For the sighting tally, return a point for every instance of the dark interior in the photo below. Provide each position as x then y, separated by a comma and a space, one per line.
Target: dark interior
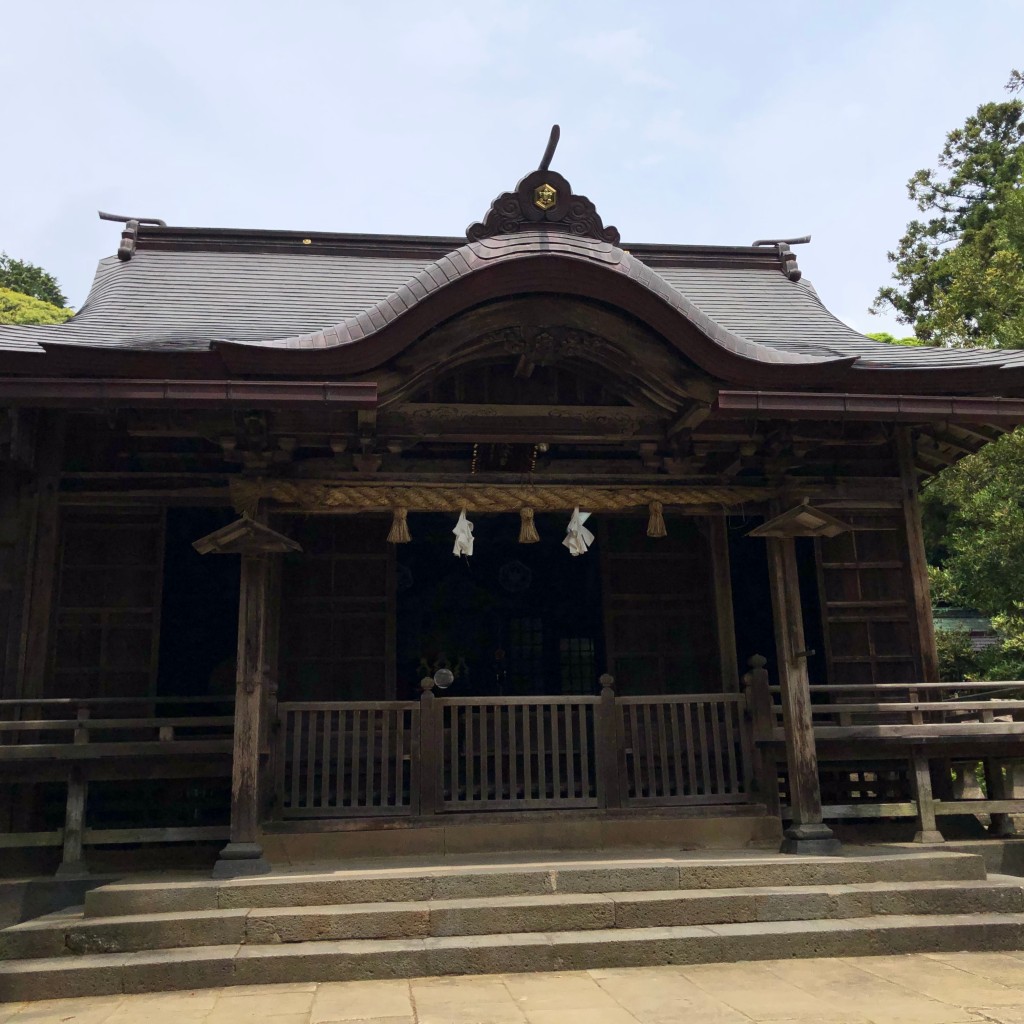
514, 619
199, 619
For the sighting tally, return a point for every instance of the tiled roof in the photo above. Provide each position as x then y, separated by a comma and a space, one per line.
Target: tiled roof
189, 296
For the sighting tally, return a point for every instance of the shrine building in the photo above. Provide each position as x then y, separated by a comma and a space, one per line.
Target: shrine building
240, 487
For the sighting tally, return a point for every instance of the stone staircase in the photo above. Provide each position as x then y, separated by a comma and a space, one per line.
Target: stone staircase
541, 915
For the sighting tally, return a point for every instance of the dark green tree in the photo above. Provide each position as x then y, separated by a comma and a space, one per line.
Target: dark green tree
29, 279
959, 271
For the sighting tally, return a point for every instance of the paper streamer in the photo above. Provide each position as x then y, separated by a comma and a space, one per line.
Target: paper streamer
577, 537
463, 536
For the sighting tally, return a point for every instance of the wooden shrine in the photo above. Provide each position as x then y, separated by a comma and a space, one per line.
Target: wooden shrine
748, 631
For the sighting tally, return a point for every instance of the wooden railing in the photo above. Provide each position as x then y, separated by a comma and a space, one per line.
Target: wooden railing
934, 729
445, 754
685, 749
517, 752
348, 759
81, 740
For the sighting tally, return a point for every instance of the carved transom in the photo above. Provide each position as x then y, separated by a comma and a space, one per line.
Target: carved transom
543, 346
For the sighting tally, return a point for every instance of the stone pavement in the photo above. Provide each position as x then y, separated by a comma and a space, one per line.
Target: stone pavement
930, 988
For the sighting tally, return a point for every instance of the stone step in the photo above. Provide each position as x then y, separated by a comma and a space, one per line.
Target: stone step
242, 964
442, 882
68, 934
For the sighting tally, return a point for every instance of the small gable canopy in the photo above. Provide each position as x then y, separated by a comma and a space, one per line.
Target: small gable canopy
245, 537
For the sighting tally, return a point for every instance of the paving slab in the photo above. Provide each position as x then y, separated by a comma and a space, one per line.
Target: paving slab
941, 988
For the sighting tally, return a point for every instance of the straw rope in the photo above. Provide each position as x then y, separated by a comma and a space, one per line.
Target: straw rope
364, 497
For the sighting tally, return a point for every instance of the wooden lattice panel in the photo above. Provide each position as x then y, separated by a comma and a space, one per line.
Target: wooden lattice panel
866, 601
107, 607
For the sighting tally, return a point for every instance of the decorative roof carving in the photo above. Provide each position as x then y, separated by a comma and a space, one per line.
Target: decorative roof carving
543, 199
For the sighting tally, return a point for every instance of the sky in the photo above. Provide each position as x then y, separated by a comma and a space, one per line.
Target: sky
684, 122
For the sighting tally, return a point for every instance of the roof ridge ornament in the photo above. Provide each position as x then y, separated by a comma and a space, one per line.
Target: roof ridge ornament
786, 255
130, 235
543, 199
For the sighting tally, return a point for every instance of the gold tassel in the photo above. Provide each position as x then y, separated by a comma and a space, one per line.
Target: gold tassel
400, 527
527, 531
656, 524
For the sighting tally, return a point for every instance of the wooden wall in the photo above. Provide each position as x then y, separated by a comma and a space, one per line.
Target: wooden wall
106, 618
660, 629
868, 613
338, 610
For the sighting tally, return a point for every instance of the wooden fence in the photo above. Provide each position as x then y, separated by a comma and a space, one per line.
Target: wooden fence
929, 734
79, 741
445, 754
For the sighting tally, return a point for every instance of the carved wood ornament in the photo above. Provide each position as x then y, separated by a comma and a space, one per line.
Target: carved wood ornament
543, 199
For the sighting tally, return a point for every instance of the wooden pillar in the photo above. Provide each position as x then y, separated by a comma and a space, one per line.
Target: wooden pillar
255, 676
244, 855
718, 537
921, 774
72, 864
427, 787
41, 577
610, 753
920, 594
761, 712
808, 833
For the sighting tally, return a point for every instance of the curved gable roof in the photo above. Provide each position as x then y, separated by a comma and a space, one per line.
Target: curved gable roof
349, 307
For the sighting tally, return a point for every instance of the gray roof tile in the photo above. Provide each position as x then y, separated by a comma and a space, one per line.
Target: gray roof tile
185, 300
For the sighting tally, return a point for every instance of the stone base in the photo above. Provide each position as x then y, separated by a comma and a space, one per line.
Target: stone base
495, 833
817, 839
1003, 826
238, 860
72, 869
928, 836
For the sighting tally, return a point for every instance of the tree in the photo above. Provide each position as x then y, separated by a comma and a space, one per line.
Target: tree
19, 308
959, 273
973, 517
890, 339
30, 280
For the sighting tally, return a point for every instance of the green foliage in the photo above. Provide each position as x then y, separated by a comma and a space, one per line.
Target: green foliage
890, 339
30, 280
957, 661
974, 529
18, 308
959, 271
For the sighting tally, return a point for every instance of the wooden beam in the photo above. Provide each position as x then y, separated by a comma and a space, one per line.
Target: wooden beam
920, 593
808, 833
718, 536
41, 579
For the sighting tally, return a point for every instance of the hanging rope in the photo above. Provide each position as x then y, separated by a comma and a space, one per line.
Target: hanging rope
400, 527
656, 524
527, 531
363, 497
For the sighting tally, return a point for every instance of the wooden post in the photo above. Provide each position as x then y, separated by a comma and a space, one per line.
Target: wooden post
921, 774
609, 748
244, 855
998, 786
72, 865
920, 594
255, 675
430, 760
719, 540
41, 577
761, 710
270, 747
808, 833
